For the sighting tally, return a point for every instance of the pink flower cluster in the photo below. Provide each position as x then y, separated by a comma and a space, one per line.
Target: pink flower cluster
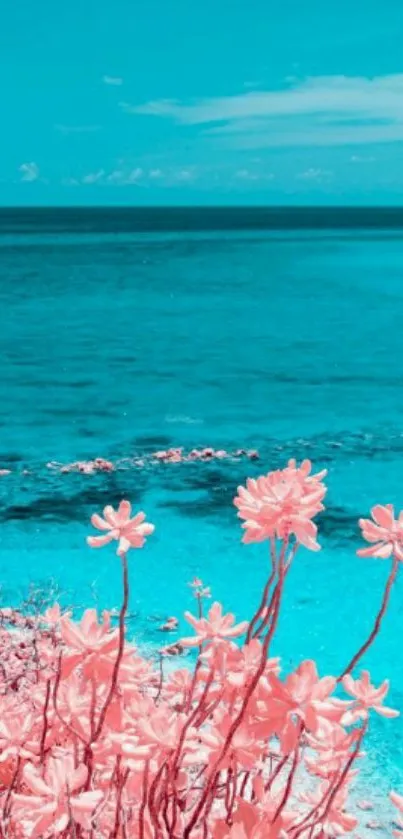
95, 743
281, 504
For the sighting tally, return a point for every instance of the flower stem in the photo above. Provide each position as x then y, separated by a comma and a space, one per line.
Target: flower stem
115, 672
377, 624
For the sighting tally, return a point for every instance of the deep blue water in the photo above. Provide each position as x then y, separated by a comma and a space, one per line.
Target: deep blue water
126, 331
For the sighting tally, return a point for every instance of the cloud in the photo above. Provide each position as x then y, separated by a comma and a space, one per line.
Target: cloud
115, 177
185, 175
94, 177
247, 175
315, 175
171, 177
135, 175
119, 177
116, 81
359, 158
125, 177
29, 172
323, 110
77, 129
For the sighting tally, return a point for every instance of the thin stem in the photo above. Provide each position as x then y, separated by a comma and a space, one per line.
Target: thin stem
7, 803
143, 801
377, 624
304, 825
269, 610
290, 778
57, 712
161, 678
276, 772
45, 721
238, 719
263, 602
115, 672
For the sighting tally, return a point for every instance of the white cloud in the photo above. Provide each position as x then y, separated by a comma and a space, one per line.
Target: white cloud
77, 129
29, 172
116, 81
135, 175
155, 173
115, 176
359, 158
247, 175
70, 182
125, 177
325, 110
380, 97
94, 177
185, 175
315, 175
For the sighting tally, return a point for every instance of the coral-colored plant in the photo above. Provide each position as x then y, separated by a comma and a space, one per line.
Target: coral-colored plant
95, 742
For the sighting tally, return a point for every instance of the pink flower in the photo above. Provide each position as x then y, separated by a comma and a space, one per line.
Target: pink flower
333, 747
397, 800
304, 697
367, 696
17, 734
384, 532
282, 503
91, 644
161, 732
244, 750
53, 615
251, 822
178, 687
244, 663
130, 533
337, 821
196, 583
310, 697
52, 804
217, 627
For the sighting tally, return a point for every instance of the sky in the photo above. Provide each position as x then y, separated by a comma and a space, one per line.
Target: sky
219, 102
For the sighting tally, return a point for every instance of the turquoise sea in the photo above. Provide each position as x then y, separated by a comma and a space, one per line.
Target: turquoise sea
126, 331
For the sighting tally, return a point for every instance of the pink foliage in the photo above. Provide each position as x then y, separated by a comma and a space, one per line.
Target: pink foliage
97, 743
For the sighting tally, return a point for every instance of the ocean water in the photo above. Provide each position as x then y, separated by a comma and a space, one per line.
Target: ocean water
126, 331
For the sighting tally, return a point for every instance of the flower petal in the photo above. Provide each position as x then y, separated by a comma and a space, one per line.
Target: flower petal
99, 523
383, 515
124, 511
100, 541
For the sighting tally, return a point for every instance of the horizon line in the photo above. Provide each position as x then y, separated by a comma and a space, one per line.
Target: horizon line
235, 207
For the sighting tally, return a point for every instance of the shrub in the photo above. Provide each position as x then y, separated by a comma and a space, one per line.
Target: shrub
94, 742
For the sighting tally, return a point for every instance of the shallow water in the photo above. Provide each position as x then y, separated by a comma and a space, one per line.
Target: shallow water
117, 340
